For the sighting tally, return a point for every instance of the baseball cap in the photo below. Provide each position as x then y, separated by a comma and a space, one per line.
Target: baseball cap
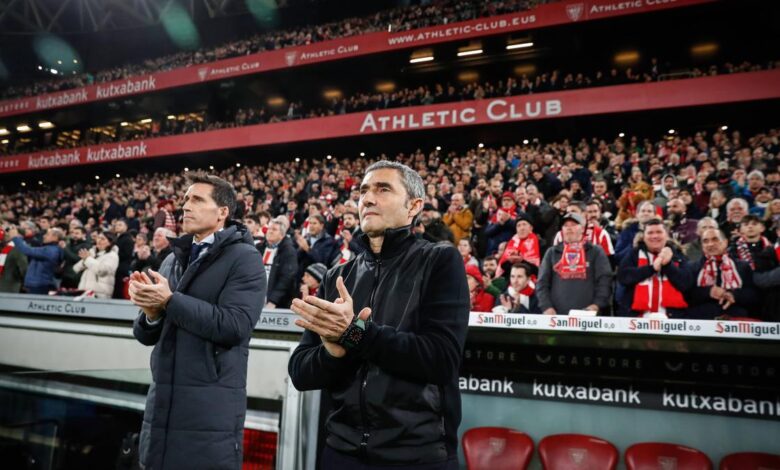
573, 217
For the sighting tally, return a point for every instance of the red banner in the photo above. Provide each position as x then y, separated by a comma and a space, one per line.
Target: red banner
616, 99
543, 16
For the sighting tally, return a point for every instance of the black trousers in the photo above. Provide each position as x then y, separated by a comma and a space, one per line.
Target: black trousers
334, 460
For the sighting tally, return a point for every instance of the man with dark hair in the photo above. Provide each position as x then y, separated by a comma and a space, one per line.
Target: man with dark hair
124, 243
199, 312
655, 275
318, 246
76, 242
520, 296
385, 335
13, 265
751, 241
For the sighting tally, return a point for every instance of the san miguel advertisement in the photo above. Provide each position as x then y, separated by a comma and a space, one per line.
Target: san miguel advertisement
624, 98
543, 16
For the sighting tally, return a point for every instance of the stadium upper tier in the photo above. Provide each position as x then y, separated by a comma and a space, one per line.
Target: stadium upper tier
302, 48
741, 87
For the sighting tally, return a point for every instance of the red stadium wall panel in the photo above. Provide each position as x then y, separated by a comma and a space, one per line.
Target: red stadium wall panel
616, 99
545, 15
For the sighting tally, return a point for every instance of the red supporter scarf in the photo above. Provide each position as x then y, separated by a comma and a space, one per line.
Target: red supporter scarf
573, 264
527, 247
524, 296
656, 291
729, 277
4, 254
777, 251
594, 235
743, 250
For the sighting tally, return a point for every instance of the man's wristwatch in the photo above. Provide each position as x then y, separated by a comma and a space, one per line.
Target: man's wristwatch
353, 335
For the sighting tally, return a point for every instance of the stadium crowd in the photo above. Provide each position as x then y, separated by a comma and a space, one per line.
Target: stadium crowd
687, 227
556, 80
431, 13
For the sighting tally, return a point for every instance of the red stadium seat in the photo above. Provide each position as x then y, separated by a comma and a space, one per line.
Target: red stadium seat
661, 456
750, 461
577, 452
492, 448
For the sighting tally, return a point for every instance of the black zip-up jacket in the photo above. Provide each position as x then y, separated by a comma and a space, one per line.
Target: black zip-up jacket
396, 397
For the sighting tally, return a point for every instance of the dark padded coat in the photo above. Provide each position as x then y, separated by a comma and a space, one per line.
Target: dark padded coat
196, 404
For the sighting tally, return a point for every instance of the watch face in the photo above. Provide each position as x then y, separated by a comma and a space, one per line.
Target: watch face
354, 335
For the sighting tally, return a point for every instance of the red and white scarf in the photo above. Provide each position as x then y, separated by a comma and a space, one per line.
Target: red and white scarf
656, 291
4, 254
528, 247
594, 235
743, 250
346, 253
573, 263
729, 277
170, 221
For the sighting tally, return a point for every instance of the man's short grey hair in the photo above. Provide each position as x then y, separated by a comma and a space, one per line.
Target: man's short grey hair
165, 231
737, 200
413, 183
705, 220
282, 222
757, 173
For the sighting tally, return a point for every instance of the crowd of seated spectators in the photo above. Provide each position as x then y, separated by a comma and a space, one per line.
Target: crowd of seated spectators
399, 19
679, 226
555, 80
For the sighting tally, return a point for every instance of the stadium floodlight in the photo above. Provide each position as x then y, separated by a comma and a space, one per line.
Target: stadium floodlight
75, 61
329, 157
40, 67
671, 131
123, 124
146, 121
417, 60
171, 116
23, 128
469, 52
4, 141
117, 175
525, 141
724, 128
59, 62
519, 45
186, 169
211, 167
238, 165
481, 145
362, 154
4, 131
24, 184
621, 134
53, 71
297, 159
40, 183
438, 147
97, 177
45, 125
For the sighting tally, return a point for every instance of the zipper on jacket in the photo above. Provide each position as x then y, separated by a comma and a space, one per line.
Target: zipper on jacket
364, 371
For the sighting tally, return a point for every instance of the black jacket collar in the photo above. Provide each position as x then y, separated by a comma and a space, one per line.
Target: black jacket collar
396, 241
234, 232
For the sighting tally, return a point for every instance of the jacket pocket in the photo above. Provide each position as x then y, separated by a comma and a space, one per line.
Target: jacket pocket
211, 361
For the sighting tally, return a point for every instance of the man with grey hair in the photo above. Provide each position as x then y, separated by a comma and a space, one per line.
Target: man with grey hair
44, 260
736, 210
280, 262
693, 250
384, 337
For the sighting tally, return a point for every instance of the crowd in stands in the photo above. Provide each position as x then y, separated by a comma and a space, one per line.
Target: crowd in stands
555, 80
684, 227
431, 13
